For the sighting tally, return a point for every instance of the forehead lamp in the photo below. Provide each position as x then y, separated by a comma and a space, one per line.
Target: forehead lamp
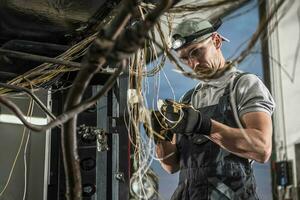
178, 41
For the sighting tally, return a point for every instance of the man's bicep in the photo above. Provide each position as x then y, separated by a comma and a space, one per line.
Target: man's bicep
258, 126
261, 121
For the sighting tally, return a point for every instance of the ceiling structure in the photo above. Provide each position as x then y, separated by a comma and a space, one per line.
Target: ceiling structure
52, 21
50, 27
45, 27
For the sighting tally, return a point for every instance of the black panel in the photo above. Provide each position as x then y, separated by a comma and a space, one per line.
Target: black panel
86, 150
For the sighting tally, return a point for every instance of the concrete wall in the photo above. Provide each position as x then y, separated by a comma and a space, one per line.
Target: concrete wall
284, 49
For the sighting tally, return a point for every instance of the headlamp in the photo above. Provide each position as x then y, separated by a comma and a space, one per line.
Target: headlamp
180, 41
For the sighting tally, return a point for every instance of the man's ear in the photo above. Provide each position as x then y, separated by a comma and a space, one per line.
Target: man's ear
217, 40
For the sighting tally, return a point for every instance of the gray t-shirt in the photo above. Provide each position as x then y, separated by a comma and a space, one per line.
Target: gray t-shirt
251, 95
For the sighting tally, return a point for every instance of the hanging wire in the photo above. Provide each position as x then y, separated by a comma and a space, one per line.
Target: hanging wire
29, 113
138, 112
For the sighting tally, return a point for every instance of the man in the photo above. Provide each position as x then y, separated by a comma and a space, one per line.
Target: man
213, 148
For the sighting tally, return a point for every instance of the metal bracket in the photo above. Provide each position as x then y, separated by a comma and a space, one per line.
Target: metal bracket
91, 134
102, 144
120, 176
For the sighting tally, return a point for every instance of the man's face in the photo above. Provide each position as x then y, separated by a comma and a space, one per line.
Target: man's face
202, 57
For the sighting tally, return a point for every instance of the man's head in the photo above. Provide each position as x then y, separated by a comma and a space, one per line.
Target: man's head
199, 46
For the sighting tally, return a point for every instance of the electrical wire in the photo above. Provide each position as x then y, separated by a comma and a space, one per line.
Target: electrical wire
25, 166
31, 94
16, 157
38, 75
156, 87
25, 154
144, 148
142, 152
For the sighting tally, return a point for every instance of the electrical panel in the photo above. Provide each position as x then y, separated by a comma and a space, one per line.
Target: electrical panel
87, 134
284, 173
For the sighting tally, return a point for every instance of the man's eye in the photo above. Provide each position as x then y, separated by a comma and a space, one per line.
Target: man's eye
185, 58
196, 52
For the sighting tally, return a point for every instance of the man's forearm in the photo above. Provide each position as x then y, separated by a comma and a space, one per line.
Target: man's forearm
167, 153
256, 146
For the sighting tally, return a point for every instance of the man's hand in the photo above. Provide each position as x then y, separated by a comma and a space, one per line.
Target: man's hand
158, 130
184, 119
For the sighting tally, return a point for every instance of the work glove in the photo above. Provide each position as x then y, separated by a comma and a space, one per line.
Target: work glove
184, 119
157, 130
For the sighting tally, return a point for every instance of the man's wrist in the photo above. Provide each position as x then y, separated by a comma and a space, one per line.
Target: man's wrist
206, 125
162, 142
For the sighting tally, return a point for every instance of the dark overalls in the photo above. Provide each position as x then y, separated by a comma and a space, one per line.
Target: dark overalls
206, 170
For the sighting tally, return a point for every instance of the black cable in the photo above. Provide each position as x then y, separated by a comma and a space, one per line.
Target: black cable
33, 96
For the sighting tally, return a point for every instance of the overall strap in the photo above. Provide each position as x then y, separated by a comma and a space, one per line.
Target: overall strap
187, 96
235, 80
227, 93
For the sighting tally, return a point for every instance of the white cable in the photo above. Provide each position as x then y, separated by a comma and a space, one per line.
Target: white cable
25, 165
31, 106
165, 157
14, 164
192, 97
16, 157
144, 146
169, 83
157, 88
235, 114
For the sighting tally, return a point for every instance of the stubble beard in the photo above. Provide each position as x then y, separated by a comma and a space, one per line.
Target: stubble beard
208, 70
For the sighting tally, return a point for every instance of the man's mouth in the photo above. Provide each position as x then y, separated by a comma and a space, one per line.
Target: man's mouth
201, 67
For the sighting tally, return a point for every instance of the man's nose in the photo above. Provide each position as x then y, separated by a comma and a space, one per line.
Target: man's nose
193, 63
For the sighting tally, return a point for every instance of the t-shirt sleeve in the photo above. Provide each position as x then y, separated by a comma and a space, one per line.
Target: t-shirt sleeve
253, 96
